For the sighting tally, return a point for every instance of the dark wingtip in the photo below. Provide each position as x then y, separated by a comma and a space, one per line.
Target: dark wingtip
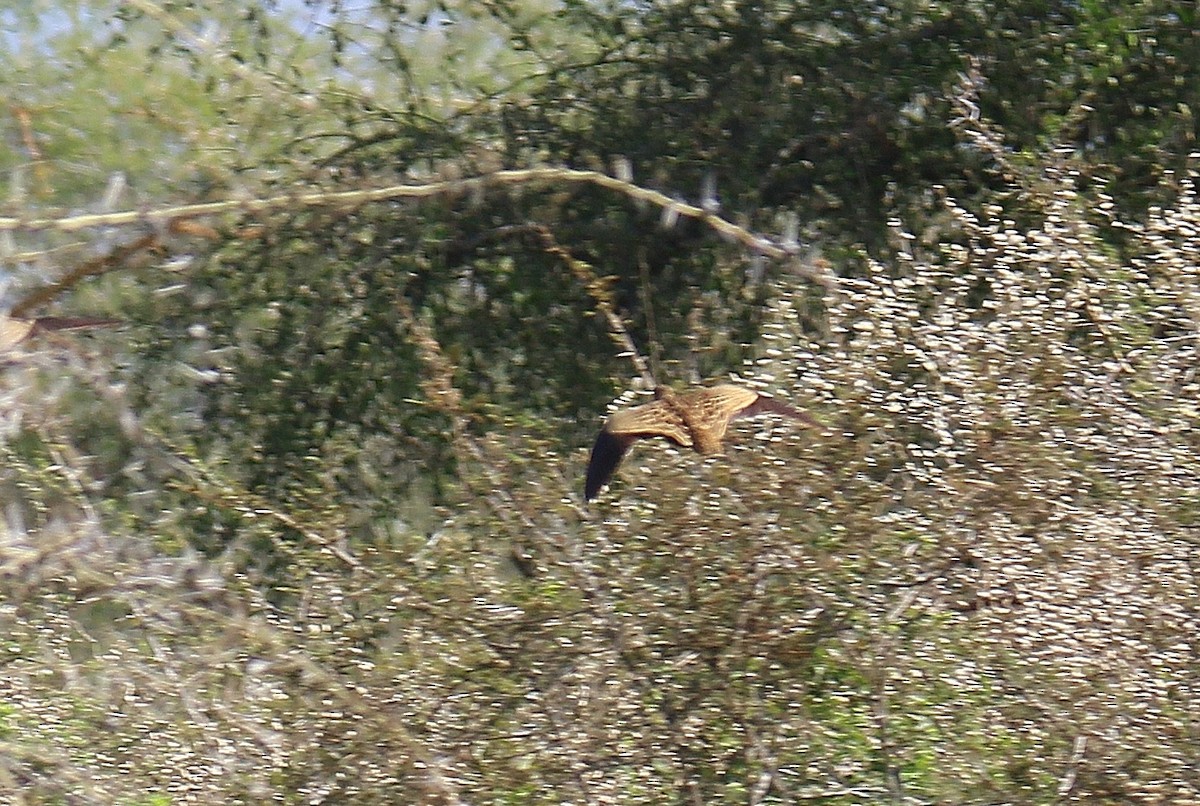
606, 455
44, 323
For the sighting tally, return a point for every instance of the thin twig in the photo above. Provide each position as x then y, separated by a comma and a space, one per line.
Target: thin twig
598, 289
89, 268
182, 33
1072, 772
355, 198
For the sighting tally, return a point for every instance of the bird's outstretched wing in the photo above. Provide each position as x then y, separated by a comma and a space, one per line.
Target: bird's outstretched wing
13, 331
606, 455
711, 409
622, 429
769, 405
655, 419
43, 323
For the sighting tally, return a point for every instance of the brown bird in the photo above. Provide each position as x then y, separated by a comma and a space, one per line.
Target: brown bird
14, 331
696, 419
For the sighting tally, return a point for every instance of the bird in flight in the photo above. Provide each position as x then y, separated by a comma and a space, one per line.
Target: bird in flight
697, 419
13, 330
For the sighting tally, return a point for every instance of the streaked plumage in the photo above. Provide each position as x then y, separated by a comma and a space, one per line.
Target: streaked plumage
697, 419
13, 331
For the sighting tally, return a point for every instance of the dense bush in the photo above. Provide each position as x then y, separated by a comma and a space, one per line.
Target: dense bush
309, 527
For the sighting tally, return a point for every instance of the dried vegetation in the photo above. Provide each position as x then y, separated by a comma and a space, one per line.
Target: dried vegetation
977, 585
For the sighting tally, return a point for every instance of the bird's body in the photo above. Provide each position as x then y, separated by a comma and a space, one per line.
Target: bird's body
697, 419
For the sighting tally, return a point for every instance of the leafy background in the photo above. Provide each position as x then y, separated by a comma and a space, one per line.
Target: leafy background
308, 526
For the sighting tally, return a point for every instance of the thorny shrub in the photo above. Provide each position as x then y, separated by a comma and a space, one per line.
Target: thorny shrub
976, 583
